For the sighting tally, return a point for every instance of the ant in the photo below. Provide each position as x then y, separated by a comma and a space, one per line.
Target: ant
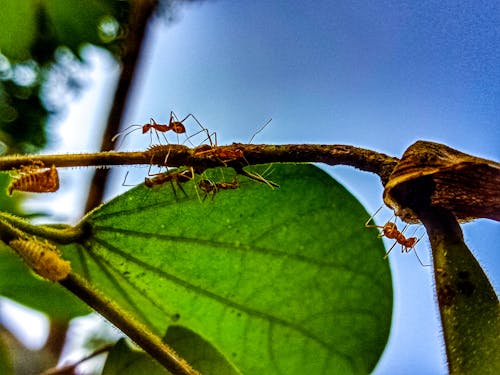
36, 178
173, 125
390, 230
179, 177
210, 187
224, 154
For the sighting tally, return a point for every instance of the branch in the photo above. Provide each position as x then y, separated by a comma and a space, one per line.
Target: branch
200, 158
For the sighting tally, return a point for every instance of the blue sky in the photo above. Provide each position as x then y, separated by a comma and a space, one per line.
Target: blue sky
379, 75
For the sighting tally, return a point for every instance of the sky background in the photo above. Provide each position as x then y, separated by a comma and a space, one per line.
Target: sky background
379, 75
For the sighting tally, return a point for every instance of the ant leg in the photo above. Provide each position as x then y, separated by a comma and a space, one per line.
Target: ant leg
258, 131
125, 179
257, 177
416, 254
202, 130
419, 260
371, 218
388, 251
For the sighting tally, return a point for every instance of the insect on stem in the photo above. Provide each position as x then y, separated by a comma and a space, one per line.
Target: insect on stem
210, 187
390, 230
35, 178
178, 176
42, 257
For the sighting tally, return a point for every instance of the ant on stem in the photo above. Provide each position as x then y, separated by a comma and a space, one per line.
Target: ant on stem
173, 125
210, 187
179, 177
390, 230
229, 154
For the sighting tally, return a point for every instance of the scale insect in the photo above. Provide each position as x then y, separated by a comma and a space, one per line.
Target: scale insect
36, 178
391, 231
43, 258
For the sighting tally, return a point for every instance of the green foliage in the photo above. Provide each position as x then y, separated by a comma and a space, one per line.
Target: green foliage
27, 26
32, 32
20, 284
278, 281
198, 352
124, 360
6, 366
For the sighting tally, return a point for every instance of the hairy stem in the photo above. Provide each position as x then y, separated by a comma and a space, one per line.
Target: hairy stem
179, 155
468, 305
138, 332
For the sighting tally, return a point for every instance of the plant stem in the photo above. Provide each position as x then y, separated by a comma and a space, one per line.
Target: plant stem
469, 307
138, 332
179, 155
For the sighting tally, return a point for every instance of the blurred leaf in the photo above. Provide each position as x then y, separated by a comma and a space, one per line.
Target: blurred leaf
198, 352
34, 82
18, 283
6, 367
123, 360
18, 28
27, 25
278, 281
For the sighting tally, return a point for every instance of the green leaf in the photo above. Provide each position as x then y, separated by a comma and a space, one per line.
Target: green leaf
278, 281
6, 367
17, 282
18, 28
67, 22
198, 352
123, 360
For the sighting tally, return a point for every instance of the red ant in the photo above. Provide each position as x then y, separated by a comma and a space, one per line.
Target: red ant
390, 230
179, 177
224, 154
208, 186
173, 125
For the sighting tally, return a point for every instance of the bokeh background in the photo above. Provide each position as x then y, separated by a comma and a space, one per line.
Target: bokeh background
378, 75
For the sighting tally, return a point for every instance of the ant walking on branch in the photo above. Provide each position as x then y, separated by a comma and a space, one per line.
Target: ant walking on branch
179, 177
390, 230
174, 124
210, 187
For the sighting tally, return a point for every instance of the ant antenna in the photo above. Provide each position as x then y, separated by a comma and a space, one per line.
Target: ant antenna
258, 131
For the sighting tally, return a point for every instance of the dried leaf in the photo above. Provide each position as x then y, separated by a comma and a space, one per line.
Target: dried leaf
463, 184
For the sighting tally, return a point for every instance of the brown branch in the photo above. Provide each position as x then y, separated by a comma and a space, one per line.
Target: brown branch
179, 155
